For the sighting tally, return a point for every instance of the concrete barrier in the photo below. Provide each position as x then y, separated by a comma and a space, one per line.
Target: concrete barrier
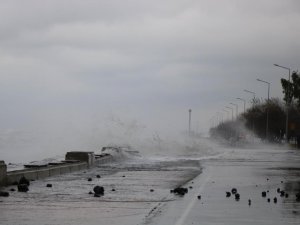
104, 159
85, 161
3, 173
54, 171
38, 173
88, 157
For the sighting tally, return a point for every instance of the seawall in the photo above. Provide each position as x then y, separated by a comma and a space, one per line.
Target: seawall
75, 161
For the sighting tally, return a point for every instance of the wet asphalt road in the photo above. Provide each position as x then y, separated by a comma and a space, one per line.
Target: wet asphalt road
133, 190
250, 171
138, 192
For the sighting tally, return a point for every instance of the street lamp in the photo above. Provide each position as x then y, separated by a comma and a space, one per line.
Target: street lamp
231, 111
251, 92
220, 117
287, 103
226, 112
267, 126
190, 118
244, 103
236, 107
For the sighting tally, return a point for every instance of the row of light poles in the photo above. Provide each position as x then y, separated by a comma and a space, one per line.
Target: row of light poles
268, 95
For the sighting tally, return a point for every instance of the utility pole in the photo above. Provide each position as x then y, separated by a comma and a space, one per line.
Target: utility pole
244, 103
190, 118
288, 100
267, 125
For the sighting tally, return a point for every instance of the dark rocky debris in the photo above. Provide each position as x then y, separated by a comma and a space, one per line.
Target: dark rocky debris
234, 191
4, 194
23, 180
180, 191
98, 190
23, 188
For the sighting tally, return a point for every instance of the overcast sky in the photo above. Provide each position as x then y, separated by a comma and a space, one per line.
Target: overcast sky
76, 67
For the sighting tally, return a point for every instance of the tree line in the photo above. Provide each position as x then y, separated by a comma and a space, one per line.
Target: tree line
253, 122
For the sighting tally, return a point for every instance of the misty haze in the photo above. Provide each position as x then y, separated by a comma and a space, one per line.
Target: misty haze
149, 112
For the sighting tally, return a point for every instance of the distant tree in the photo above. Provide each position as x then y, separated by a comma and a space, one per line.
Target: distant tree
291, 89
256, 118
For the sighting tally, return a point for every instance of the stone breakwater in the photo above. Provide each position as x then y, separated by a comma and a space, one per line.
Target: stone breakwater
74, 161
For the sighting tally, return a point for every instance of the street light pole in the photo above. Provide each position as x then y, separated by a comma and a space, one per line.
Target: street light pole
226, 112
244, 103
231, 112
236, 108
190, 118
267, 126
220, 117
287, 103
251, 92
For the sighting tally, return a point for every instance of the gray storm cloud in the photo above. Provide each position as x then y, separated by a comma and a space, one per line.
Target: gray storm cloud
67, 65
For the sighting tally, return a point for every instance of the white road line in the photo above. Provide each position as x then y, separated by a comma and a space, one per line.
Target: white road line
192, 203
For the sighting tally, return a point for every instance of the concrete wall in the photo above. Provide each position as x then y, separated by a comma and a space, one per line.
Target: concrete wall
3, 171
87, 161
36, 174
103, 160
88, 157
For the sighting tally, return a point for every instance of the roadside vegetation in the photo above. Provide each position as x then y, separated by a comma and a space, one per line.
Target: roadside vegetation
253, 123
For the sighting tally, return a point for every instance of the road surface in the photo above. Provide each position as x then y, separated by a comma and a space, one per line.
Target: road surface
137, 191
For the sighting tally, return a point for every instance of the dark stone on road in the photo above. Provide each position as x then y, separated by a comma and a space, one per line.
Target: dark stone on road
249, 201
4, 194
199, 197
286, 195
23, 180
234, 191
90, 179
275, 200
49, 185
278, 190
23, 188
99, 190
264, 194
12, 189
151, 190
237, 196
90, 193
269, 200
228, 194
282, 193
180, 191
98, 176
298, 197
